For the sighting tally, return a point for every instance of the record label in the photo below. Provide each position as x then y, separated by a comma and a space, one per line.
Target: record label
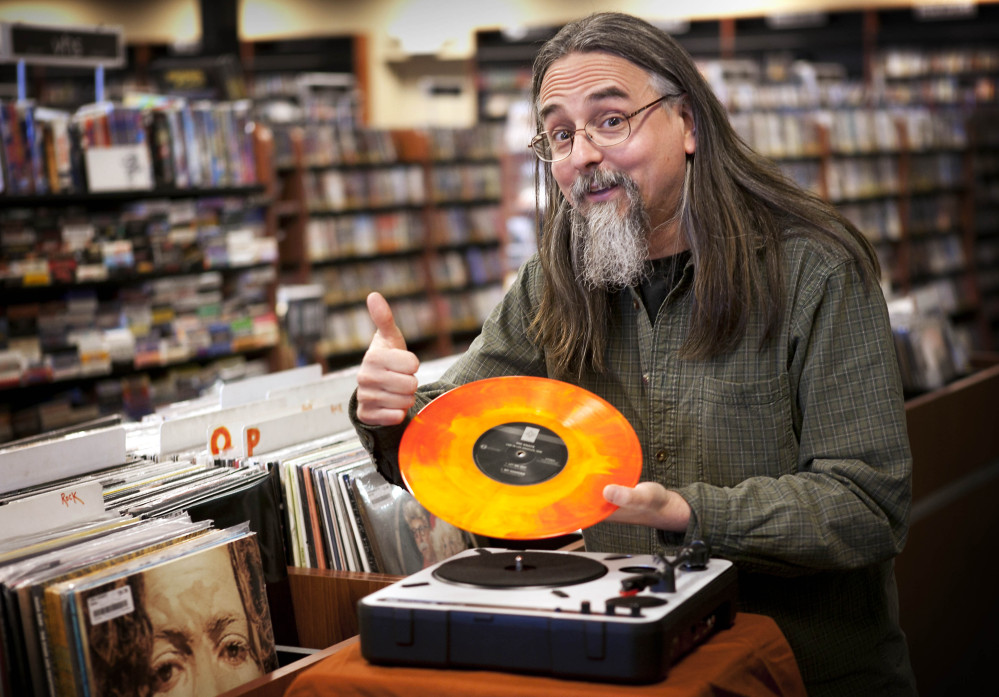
518, 457
520, 453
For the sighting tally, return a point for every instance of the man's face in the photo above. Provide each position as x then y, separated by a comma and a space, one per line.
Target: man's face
582, 86
420, 527
201, 642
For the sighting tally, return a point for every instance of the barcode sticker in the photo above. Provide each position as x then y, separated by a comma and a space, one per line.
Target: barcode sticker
107, 606
530, 434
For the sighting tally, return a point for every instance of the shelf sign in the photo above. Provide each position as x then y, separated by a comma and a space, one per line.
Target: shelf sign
119, 168
81, 47
796, 20
941, 9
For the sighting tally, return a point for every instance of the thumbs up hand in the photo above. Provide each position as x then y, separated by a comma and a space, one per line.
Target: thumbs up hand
386, 380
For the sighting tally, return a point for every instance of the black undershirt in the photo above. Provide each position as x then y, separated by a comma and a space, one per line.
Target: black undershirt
665, 273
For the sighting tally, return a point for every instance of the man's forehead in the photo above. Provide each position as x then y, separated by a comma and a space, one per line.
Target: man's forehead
591, 77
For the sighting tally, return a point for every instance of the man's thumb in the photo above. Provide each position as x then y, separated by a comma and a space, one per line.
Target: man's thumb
385, 326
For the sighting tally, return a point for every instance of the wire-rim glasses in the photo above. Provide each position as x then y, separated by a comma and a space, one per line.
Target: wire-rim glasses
605, 130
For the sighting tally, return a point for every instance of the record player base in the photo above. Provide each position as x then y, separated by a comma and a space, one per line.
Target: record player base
750, 659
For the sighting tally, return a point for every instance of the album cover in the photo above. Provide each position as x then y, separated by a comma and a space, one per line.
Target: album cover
255, 499
341, 525
364, 548
352, 524
339, 551
49, 628
194, 623
403, 535
312, 509
311, 517
30, 569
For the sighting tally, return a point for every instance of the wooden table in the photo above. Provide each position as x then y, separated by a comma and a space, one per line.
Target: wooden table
750, 659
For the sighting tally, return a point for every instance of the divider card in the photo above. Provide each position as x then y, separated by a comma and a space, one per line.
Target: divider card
75, 502
223, 427
69, 456
282, 431
256, 388
333, 389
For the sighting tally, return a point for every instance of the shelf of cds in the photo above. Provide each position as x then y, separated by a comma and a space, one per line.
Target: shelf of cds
985, 166
902, 172
137, 259
413, 214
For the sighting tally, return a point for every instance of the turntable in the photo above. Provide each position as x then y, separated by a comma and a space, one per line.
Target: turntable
581, 615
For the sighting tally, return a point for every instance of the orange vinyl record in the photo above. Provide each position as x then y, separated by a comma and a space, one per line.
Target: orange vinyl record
518, 457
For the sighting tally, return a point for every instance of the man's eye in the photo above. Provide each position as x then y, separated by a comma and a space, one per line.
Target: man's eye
234, 650
611, 121
561, 135
165, 675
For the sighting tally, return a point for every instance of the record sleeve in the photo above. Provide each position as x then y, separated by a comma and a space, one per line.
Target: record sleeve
403, 535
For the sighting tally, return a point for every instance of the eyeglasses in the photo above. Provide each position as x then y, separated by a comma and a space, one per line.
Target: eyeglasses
604, 130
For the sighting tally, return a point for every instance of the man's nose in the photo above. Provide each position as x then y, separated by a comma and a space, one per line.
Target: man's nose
585, 154
209, 678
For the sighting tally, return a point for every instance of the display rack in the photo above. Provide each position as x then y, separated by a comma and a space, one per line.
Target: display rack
121, 300
903, 176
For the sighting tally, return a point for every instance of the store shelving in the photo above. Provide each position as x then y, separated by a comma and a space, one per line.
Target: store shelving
413, 214
121, 300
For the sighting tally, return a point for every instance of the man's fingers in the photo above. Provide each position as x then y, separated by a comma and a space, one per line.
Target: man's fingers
616, 494
648, 503
380, 417
386, 329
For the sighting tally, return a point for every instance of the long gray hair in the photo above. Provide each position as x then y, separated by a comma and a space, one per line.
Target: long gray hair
736, 210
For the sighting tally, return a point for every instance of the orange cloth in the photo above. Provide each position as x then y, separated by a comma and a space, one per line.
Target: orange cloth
750, 659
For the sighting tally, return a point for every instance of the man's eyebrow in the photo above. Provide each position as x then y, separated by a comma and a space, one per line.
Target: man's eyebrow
599, 95
217, 626
177, 638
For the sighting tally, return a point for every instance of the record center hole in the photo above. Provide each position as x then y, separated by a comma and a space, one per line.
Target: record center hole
520, 455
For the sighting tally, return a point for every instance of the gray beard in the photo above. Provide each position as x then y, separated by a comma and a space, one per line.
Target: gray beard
609, 250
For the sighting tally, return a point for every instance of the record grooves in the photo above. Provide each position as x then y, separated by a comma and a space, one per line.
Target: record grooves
518, 457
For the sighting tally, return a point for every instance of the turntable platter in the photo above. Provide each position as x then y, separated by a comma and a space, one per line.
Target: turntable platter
520, 570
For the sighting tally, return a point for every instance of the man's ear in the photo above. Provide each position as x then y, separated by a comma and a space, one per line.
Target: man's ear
689, 125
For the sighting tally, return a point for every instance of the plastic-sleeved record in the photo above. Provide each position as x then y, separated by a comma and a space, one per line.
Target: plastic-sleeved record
518, 457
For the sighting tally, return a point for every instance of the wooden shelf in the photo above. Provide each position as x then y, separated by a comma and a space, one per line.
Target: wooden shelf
325, 603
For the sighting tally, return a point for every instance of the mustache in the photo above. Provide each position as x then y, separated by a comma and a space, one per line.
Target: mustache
598, 179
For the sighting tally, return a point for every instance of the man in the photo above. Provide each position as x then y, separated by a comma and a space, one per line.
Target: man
418, 524
734, 320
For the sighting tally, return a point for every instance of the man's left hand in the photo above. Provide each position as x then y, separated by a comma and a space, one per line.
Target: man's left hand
648, 503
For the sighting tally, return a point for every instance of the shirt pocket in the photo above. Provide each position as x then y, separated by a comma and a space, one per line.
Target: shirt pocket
745, 430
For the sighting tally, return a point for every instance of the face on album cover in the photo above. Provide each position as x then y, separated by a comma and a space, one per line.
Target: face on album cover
200, 625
